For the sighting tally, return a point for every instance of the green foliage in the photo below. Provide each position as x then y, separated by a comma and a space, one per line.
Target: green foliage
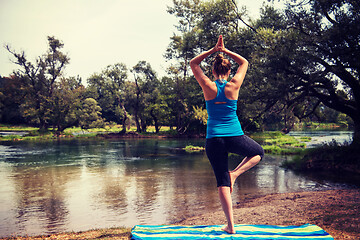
18, 128
279, 143
11, 96
109, 89
148, 104
90, 115
200, 114
191, 148
330, 156
39, 80
305, 139
303, 63
66, 100
321, 61
10, 138
292, 71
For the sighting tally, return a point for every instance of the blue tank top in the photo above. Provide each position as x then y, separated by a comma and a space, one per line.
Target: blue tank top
222, 118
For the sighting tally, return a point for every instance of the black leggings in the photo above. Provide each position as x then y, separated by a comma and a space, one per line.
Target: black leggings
217, 150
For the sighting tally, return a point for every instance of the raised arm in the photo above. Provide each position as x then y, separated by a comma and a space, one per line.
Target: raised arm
238, 78
202, 79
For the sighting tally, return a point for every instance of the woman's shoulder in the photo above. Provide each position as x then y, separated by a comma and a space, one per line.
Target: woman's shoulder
210, 90
232, 91
232, 84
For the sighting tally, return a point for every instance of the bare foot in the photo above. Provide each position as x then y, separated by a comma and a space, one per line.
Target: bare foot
232, 181
228, 230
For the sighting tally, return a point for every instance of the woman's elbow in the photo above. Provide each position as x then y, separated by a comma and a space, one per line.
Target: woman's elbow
245, 62
192, 63
244, 65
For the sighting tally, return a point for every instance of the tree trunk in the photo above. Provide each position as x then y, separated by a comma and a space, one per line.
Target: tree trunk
124, 120
157, 128
42, 126
356, 137
143, 125
156, 122
138, 127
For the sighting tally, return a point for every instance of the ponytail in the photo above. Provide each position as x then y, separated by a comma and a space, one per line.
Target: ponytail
221, 65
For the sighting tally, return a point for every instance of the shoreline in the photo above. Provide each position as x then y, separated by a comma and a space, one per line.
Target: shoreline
336, 211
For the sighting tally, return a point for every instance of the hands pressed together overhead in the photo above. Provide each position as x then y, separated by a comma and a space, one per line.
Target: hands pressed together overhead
220, 44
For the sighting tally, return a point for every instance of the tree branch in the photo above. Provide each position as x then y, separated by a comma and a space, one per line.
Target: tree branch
309, 113
240, 18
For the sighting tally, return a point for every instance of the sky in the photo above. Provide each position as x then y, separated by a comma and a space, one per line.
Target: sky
95, 33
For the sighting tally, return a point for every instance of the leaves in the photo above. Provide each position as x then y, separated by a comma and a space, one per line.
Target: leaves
200, 114
89, 114
303, 60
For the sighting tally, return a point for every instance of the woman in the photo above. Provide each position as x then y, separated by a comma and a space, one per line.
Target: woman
224, 133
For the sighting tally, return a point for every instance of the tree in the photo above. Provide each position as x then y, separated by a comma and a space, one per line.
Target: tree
157, 108
11, 97
318, 52
180, 97
300, 58
108, 89
182, 49
67, 98
39, 80
147, 102
90, 114
200, 23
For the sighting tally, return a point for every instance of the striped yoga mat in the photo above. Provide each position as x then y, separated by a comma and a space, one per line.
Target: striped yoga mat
307, 231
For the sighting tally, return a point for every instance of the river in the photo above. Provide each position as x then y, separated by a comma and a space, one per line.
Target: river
76, 185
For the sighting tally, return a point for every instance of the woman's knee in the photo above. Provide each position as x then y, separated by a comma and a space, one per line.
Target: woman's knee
255, 159
261, 153
257, 153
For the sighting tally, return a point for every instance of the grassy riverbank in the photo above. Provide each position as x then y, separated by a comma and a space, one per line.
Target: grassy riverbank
273, 142
280, 143
34, 134
331, 156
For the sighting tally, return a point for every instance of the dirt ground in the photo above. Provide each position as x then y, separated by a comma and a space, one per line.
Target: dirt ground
336, 211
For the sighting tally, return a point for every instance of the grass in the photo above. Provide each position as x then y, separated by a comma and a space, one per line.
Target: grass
34, 134
275, 142
11, 138
115, 129
305, 139
75, 132
272, 142
191, 148
16, 128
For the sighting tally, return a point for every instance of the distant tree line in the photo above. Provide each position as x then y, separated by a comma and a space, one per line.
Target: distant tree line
303, 65
39, 94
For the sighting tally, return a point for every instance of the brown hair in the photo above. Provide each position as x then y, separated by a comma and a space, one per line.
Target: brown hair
221, 65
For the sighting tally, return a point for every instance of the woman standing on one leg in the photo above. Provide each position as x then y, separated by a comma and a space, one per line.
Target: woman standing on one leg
224, 133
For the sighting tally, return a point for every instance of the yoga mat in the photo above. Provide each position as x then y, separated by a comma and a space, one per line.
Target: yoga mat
152, 232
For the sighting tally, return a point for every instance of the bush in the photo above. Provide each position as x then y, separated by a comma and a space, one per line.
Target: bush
330, 156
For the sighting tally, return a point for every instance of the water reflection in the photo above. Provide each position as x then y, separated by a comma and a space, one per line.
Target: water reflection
39, 194
79, 185
321, 137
